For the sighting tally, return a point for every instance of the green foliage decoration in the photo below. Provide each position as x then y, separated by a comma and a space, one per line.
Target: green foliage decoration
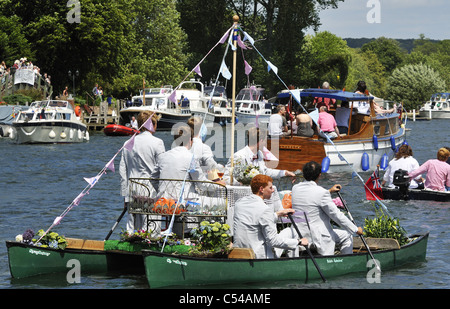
383, 226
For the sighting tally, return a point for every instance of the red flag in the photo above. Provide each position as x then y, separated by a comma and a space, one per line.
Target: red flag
373, 187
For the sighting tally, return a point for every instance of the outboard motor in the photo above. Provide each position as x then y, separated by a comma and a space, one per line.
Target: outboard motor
401, 180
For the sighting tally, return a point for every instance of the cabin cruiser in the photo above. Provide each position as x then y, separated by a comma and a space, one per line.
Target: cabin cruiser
219, 104
437, 107
50, 121
251, 107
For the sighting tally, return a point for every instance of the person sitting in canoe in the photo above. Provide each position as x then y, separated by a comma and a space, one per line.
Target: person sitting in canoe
316, 202
252, 155
438, 171
255, 222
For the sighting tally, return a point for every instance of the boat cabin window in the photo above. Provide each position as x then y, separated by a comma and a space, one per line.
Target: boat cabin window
26, 116
376, 129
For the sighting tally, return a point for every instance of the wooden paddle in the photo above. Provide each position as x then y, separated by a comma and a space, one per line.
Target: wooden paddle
307, 249
361, 236
115, 224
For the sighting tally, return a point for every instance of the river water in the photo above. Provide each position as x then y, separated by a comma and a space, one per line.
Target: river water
38, 182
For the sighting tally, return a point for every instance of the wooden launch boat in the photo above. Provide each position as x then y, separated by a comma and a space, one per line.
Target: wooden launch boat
165, 270
371, 137
118, 130
415, 194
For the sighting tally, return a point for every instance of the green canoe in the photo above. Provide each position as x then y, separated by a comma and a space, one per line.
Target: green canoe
91, 256
166, 270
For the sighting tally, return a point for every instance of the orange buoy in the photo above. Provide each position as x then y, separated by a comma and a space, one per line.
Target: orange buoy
77, 111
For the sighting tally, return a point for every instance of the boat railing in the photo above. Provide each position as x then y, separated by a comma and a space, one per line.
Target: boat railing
163, 197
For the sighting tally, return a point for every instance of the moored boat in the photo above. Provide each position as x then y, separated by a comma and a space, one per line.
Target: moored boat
51, 121
165, 270
438, 107
119, 130
251, 106
219, 102
157, 100
370, 137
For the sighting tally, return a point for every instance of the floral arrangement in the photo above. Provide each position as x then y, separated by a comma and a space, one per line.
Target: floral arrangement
212, 239
144, 237
384, 226
40, 239
244, 173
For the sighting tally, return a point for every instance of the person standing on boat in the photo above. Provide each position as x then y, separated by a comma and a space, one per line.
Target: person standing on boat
438, 171
255, 222
320, 101
202, 152
140, 162
277, 123
134, 123
252, 155
178, 164
327, 124
310, 198
403, 160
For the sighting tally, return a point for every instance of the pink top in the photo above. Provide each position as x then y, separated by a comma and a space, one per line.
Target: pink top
326, 122
438, 174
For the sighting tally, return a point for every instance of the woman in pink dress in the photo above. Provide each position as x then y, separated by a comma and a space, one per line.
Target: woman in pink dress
438, 171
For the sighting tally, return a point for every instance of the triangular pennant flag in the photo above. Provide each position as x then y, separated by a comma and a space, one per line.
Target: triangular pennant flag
314, 115
248, 68
203, 132
197, 70
224, 71
249, 38
93, 180
230, 41
130, 143
110, 165
268, 155
270, 66
57, 220
224, 37
77, 200
240, 43
296, 94
173, 97
149, 124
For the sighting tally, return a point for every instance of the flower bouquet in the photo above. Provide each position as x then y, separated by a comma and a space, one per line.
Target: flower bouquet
40, 239
244, 173
213, 239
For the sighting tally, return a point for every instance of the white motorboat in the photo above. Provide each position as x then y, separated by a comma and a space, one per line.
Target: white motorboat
155, 99
51, 121
438, 107
251, 106
191, 94
221, 106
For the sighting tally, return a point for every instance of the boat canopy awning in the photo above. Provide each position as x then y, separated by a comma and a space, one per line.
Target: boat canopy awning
329, 93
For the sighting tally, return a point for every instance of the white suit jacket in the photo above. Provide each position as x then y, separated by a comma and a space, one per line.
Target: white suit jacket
203, 154
174, 164
255, 227
140, 162
316, 201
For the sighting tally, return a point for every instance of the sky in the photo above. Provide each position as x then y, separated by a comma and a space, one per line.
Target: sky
396, 19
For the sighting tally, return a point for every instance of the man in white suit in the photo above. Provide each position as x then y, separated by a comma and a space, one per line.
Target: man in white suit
179, 163
140, 162
316, 202
252, 155
255, 222
203, 153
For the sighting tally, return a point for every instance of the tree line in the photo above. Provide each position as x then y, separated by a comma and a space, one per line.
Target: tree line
119, 43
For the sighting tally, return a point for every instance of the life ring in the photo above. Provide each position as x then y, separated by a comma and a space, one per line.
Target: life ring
77, 111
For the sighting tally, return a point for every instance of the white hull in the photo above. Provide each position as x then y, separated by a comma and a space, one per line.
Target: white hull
49, 133
353, 152
247, 118
435, 114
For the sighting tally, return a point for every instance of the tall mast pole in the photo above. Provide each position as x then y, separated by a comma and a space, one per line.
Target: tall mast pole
233, 95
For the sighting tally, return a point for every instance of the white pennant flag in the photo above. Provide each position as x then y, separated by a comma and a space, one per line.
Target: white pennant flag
270, 66
224, 71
